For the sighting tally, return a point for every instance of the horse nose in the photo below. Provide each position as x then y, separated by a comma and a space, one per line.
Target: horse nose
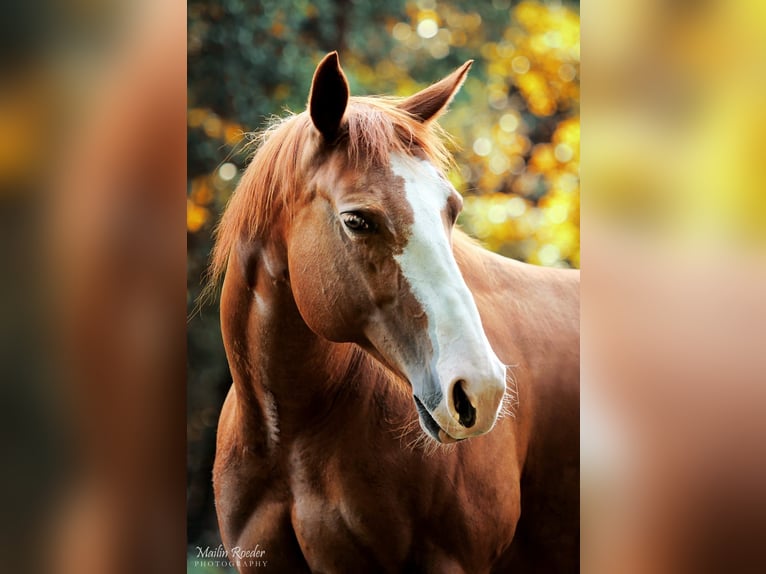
475, 400
462, 404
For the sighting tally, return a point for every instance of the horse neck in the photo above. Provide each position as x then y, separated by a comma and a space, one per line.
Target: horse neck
286, 377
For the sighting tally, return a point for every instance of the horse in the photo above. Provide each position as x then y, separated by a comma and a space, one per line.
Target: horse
403, 400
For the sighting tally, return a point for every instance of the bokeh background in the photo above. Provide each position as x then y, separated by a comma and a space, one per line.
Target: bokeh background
515, 126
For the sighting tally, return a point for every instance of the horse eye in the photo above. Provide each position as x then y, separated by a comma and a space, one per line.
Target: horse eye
357, 222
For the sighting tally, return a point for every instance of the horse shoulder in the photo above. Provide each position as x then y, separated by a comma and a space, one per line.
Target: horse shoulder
238, 482
254, 508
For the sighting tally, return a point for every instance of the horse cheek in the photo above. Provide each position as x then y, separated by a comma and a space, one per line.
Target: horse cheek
320, 289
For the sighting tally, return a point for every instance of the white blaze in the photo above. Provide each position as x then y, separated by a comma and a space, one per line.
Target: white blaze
460, 346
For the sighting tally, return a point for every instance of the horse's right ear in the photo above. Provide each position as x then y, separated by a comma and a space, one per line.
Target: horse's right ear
430, 103
329, 96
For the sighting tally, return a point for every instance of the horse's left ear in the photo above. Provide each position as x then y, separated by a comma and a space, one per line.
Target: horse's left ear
329, 96
430, 103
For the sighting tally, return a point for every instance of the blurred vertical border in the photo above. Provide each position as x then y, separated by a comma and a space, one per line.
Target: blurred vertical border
92, 314
673, 305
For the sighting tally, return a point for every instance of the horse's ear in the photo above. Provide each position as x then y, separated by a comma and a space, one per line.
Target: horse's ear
329, 96
429, 104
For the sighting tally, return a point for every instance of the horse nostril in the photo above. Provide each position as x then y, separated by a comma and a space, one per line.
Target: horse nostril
465, 410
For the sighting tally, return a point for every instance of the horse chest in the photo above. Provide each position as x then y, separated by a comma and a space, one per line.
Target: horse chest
374, 516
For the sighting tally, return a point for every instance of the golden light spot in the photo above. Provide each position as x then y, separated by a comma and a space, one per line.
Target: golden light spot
401, 32
227, 171
553, 39
195, 117
549, 254
568, 132
543, 159
439, 48
427, 28
277, 29
505, 50
281, 92
196, 216
509, 122
233, 133
212, 126
516, 206
567, 183
557, 213
202, 192
528, 13
458, 38
520, 64
567, 72
497, 214
497, 97
563, 152
499, 164
473, 22
413, 42
482, 146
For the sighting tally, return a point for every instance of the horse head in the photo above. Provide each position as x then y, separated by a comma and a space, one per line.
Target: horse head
369, 250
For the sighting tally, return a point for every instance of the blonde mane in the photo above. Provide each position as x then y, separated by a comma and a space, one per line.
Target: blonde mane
275, 178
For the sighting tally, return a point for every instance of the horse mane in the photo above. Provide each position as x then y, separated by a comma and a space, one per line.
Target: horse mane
374, 126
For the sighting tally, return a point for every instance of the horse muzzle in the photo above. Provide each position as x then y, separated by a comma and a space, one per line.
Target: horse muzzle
468, 407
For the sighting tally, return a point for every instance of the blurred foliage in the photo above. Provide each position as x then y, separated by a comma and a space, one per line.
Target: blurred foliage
515, 123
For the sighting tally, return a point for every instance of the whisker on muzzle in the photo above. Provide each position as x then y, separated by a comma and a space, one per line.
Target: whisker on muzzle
413, 438
510, 402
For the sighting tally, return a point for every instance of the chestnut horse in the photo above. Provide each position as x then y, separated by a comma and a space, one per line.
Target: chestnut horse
351, 311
